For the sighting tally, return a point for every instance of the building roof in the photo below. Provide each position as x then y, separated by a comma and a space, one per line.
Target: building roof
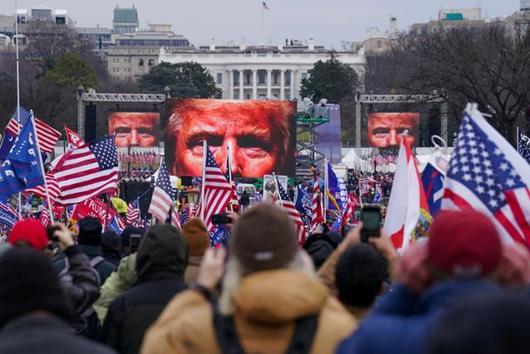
125, 15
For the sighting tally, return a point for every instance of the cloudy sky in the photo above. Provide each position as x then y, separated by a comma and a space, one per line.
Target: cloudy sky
329, 22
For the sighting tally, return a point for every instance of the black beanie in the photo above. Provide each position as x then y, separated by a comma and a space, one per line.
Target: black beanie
28, 283
89, 231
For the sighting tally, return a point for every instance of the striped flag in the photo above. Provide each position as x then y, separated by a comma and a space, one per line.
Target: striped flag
487, 174
317, 217
348, 211
87, 171
47, 135
44, 216
287, 204
53, 188
217, 191
133, 213
74, 140
163, 195
175, 217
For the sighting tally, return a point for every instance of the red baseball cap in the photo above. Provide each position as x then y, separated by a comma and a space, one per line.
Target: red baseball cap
464, 244
30, 231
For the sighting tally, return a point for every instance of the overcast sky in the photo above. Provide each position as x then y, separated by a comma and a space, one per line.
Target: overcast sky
329, 22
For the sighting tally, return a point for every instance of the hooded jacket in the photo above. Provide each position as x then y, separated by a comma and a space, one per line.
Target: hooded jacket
160, 265
267, 305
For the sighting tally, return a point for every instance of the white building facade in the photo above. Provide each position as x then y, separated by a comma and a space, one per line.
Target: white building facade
260, 72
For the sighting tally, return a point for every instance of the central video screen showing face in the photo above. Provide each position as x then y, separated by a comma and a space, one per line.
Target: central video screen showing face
259, 135
386, 128
135, 129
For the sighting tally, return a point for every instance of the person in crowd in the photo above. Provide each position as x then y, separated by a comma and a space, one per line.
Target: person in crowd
257, 134
244, 201
125, 238
320, 246
484, 325
80, 283
271, 299
197, 238
462, 258
34, 311
356, 272
89, 241
135, 128
160, 263
111, 247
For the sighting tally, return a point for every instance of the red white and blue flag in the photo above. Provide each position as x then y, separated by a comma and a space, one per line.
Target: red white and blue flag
133, 213
317, 216
287, 204
47, 135
163, 195
487, 174
217, 191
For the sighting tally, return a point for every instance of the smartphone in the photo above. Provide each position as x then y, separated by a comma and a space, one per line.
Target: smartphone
221, 219
371, 219
134, 242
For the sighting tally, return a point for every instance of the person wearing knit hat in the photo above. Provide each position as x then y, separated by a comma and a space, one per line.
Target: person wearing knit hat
269, 289
196, 236
33, 308
460, 261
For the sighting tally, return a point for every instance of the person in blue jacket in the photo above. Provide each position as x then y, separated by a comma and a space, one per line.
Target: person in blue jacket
463, 258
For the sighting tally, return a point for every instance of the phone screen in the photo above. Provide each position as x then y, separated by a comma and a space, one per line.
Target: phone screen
134, 242
371, 218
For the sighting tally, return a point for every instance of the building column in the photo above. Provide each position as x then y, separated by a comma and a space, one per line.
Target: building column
231, 84
282, 84
254, 84
269, 84
241, 83
293, 95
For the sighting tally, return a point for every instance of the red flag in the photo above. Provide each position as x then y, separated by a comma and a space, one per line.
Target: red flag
74, 140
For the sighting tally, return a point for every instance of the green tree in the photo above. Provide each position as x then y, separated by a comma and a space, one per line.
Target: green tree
71, 71
331, 79
187, 79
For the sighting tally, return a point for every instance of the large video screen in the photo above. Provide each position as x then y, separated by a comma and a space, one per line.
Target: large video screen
259, 135
134, 129
385, 128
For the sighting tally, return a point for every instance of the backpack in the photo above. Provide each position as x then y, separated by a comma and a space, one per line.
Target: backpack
87, 324
225, 331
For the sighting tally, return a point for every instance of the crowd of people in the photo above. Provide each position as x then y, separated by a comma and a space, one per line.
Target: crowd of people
165, 290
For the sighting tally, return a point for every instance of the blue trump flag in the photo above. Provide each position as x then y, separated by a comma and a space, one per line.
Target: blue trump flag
22, 168
10, 134
334, 189
433, 183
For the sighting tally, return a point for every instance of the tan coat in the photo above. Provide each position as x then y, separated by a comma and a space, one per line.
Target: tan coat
267, 305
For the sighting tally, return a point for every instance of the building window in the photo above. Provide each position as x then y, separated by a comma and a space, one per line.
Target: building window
304, 76
262, 77
219, 79
141, 62
151, 62
236, 78
247, 78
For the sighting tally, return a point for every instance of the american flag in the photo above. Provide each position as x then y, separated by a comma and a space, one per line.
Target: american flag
487, 174
53, 188
74, 140
217, 191
133, 213
175, 217
524, 146
287, 204
317, 217
87, 171
163, 195
44, 216
47, 135
348, 211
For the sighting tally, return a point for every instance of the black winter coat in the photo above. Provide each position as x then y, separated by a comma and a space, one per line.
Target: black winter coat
45, 334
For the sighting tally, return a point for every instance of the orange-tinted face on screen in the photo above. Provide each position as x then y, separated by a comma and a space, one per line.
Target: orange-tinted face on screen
134, 128
386, 129
256, 134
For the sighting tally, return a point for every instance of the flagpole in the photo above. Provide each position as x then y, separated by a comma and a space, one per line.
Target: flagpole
229, 168
518, 139
203, 184
326, 187
18, 90
277, 183
41, 164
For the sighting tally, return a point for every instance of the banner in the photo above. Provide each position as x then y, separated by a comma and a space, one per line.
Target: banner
96, 208
269, 186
